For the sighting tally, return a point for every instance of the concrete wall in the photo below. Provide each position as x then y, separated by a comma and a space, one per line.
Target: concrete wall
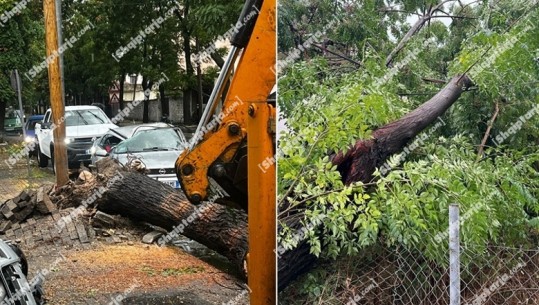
155, 112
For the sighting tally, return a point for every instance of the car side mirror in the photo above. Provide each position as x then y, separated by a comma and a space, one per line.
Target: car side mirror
45, 125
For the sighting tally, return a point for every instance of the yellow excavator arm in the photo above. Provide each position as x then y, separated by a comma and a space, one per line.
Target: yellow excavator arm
231, 156
215, 153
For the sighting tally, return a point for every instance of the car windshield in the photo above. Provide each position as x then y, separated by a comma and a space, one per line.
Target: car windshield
32, 124
159, 139
85, 117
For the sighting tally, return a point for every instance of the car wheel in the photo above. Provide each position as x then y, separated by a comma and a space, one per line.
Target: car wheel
34, 151
41, 158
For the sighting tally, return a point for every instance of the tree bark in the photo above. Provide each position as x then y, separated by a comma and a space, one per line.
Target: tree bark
164, 102
360, 162
219, 61
187, 106
141, 198
188, 92
200, 93
2, 115
146, 87
121, 93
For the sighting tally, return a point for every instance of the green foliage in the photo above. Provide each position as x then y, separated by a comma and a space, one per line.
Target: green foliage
20, 48
327, 111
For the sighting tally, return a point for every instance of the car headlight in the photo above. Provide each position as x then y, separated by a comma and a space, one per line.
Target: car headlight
29, 139
93, 150
68, 140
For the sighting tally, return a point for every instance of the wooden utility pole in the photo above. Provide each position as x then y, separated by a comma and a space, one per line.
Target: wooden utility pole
55, 88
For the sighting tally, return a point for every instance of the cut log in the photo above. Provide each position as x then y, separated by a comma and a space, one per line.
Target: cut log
138, 197
360, 162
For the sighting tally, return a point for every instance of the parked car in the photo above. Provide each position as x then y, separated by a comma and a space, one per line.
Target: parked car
155, 150
103, 145
83, 125
14, 286
13, 120
29, 128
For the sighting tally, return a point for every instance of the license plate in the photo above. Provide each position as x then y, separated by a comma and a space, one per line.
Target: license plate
174, 184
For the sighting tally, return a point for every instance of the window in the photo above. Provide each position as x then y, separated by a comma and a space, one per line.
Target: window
47, 117
152, 140
85, 117
32, 125
109, 141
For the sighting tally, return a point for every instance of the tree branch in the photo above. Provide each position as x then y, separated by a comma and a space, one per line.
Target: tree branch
433, 80
487, 132
415, 29
359, 64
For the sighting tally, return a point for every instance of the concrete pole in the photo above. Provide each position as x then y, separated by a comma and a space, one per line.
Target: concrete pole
454, 255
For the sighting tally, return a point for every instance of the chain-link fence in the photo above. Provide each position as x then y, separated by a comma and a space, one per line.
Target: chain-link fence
406, 275
497, 275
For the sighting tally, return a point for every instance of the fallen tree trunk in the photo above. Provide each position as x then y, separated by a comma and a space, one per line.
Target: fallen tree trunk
141, 198
360, 162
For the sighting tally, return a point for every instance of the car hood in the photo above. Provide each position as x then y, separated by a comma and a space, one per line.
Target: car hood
87, 131
153, 159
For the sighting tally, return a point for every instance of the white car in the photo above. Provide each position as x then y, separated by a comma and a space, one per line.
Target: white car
83, 125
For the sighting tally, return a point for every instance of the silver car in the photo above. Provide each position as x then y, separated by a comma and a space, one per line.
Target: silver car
14, 286
103, 145
154, 150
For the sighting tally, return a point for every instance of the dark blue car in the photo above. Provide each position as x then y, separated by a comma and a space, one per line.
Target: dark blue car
30, 131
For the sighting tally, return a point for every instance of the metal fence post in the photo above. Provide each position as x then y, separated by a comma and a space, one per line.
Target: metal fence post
454, 255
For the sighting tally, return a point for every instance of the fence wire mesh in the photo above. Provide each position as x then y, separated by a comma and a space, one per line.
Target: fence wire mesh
494, 275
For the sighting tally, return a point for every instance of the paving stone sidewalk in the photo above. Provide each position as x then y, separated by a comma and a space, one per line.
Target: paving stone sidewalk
43, 231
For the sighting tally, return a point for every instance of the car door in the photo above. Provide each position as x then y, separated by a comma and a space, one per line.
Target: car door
44, 133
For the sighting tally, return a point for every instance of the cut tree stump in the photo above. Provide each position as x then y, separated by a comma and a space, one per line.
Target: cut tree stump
360, 162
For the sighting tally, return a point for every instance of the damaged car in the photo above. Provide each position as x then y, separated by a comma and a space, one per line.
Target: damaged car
153, 151
15, 288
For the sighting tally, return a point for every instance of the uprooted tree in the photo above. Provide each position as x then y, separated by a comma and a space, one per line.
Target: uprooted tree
128, 193
117, 190
363, 163
361, 160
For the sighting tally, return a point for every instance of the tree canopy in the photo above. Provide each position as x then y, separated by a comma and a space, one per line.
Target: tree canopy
459, 159
100, 28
